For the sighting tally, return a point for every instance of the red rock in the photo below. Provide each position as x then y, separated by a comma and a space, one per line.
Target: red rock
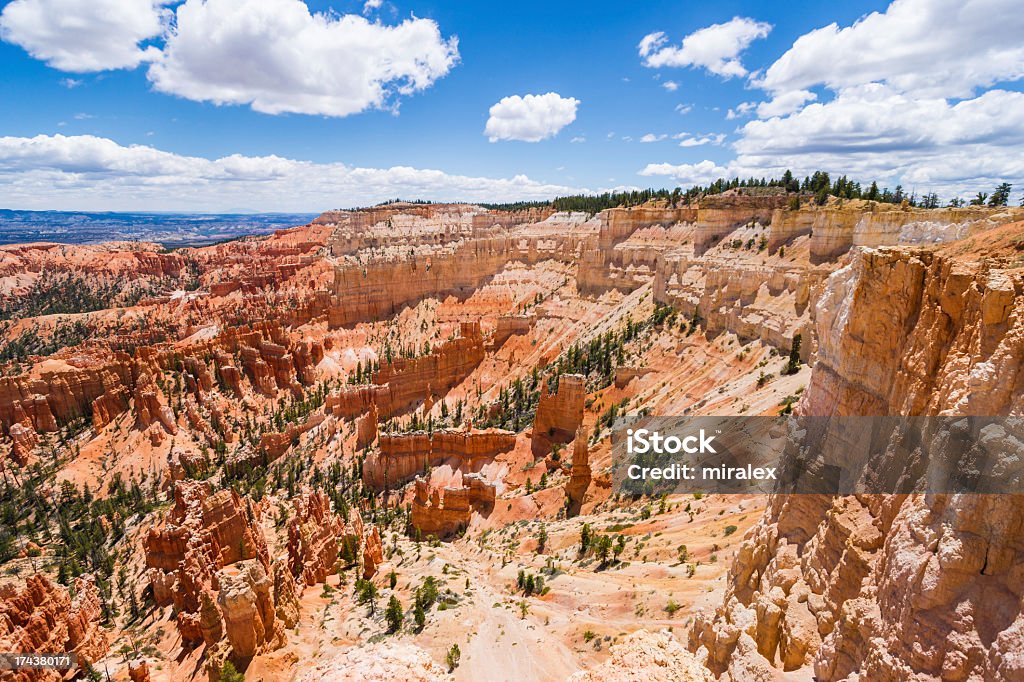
559, 414
373, 553
203, 533
313, 533
402, 457
580, 476
43, 617
138, 670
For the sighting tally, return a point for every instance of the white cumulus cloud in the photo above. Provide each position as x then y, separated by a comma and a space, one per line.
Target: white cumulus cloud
874, 132
908, 95
688, 173
81, 36
278, 57
530, 118
933, 47
85, 172
274, 55
716, 48
784, 103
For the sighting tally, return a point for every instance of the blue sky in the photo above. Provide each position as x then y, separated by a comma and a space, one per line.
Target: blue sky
87, 129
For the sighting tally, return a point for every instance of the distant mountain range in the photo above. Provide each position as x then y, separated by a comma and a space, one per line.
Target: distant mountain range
169, 229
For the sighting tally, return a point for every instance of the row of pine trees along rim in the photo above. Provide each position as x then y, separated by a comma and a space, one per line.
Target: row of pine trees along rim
820, 185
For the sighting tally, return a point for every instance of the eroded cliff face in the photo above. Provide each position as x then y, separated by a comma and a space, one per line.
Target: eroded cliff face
313, 534
45, 617
406, 382
210, 559
102, 385
246, 382
892, 587
559, 414
443, 510
407, 224
404, 456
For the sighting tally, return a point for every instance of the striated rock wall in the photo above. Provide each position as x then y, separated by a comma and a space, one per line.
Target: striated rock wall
891, 587
769, 302
559, 414
406, 224
379, 289
447, 510
203, 533
580, 476
605, 265
313, 533
508, 326
841, 225
43, 617
405, 382
402, 457
720, 214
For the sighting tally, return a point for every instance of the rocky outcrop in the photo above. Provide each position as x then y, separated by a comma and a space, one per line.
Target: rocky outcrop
43, 617
624, 253
404, 224
379, 289
646, 656
246, 604
624, 375
102, 385
23, 442
580, 476
313, 533
891, 587
404, 383
769, 302
286, 598
508, 326
841, 225
138, 670
445, 511
373, 552
203, 533
230, 375
112, 403
720, 214
559, 414
366, 427
306, 356
150, 407
275, 443
56, 397
259, 372
404, 456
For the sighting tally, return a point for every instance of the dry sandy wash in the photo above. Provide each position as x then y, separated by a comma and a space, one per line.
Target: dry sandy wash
377, 447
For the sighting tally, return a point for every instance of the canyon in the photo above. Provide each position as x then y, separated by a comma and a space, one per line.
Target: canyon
341, 449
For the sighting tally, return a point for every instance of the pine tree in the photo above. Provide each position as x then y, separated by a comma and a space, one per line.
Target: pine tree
394, 614
793, 364
228, 673
420, 616
1000, 195
454, 654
